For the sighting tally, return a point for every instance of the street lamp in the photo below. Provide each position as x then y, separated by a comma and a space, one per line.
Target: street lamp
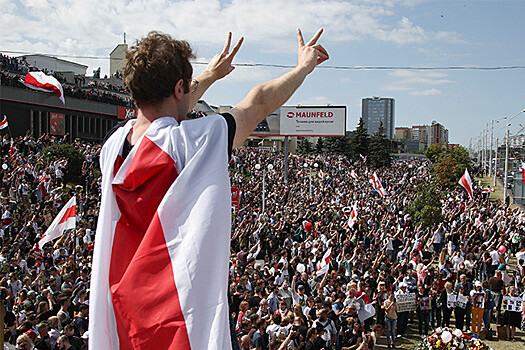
305, 165
507, 155
270, 168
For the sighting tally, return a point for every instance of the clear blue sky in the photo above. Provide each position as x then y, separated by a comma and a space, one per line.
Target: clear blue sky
357, 33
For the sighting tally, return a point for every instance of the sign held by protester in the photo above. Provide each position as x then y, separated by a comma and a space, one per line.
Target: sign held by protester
406, 302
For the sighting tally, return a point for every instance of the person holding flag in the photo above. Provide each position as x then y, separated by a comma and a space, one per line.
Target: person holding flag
175, 174
65, 220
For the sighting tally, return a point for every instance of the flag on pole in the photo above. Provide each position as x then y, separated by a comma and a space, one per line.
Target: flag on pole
42, 82
323, 264
65, 220
353, 174
523, 170
377, 185
352, 220
363, 158
3, 123
466, 182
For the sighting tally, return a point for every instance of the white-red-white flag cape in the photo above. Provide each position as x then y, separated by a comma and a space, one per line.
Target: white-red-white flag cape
353, 216
466, 182
42, 82
160, 264
3, 123
377, 185
323, 264
65, 220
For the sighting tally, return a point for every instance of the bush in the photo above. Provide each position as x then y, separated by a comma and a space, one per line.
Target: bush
75, 159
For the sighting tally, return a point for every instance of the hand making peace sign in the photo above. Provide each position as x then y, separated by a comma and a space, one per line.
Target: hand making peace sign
311, 54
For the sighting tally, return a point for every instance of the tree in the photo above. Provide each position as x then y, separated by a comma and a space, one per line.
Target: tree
319, 147
304, 146
337, 145
449, 164
75, 159
426, 208
360, 141
379, 155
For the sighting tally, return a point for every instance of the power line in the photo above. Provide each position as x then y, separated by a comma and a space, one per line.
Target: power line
269, 65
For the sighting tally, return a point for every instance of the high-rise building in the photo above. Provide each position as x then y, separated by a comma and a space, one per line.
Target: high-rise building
377, 110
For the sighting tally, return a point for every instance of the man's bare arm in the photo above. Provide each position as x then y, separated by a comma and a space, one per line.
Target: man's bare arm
265, 98
219, 67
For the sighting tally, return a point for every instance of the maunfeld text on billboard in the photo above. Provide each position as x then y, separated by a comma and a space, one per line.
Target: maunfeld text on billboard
313, 121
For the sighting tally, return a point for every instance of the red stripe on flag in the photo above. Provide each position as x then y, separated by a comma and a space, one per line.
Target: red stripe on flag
30, 79
466, 185
70, 213
145, 298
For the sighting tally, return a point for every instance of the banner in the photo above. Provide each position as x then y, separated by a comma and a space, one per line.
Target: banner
57, 124
236, 193
406, 302
512, 303
313, 121
462, 301
126, 113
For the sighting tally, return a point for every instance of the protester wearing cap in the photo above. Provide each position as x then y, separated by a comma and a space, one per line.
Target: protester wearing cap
477, 299
402, 317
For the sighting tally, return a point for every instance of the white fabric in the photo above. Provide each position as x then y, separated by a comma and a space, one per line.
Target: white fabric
197, 237
56, 229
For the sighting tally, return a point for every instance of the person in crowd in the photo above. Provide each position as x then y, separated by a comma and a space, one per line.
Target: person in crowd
477, 298
512, 318
390, 306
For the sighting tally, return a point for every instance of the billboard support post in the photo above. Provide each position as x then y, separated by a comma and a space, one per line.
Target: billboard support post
286, 160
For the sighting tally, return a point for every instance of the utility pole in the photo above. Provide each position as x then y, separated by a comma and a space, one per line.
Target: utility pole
506, 163
491, 172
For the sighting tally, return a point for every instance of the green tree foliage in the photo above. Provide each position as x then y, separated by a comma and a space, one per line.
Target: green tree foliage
426, 208
448, 164
319, 147
337, 145
360, 141
379, 155
304, 146
73, 170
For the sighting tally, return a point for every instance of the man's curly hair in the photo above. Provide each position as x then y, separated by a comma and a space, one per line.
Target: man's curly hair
154, 65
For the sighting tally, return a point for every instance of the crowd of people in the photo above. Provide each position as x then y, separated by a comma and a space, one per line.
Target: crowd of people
383, 270
303, 275
46, 291
13, 69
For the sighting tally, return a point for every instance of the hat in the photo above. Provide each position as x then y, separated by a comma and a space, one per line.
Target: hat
477, 284
85, 335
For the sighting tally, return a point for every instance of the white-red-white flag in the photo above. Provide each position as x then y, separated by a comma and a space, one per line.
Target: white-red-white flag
353, 174
43, 82
3, 123
466, 182
323, 264
159, 231
352, 220
65, 220
321, 174
377, 185
523, 170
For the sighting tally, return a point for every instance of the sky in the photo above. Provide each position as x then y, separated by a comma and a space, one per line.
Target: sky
390, 33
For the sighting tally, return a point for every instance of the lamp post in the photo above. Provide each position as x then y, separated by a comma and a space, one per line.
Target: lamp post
305, 166
507, 155
258, 167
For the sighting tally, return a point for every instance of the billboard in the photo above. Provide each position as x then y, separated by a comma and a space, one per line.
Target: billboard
126, 113
57, 124
304, 121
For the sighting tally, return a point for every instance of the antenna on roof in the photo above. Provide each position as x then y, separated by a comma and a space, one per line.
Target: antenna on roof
124, 38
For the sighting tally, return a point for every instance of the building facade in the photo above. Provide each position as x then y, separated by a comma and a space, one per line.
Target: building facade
377, 110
